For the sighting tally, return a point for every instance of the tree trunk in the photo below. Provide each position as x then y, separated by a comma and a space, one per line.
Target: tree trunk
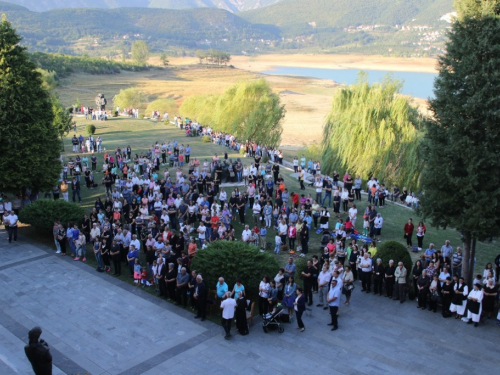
471, 263
466, 255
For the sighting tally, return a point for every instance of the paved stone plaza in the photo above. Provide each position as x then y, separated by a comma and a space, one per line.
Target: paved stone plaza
99, 325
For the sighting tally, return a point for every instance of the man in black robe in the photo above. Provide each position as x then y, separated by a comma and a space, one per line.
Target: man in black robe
38, 353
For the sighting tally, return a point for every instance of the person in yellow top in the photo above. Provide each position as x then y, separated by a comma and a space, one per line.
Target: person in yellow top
64, 190
373, 249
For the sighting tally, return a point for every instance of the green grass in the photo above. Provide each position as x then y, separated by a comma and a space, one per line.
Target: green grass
141, 134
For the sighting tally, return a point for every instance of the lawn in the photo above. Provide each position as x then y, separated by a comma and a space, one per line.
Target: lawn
141, 134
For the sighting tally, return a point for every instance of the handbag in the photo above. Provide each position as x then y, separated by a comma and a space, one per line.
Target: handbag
349, 287
435, 296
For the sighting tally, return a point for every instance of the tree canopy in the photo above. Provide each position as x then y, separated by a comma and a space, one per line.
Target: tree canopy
140, 52
476, 8
162, 105
130, 98
462, 145
30, 141
249, 110
373, 130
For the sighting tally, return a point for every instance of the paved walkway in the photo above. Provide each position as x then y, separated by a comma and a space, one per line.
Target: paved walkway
99, 325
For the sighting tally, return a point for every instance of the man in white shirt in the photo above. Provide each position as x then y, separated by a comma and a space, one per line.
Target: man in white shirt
201, 233
377, 224
318, 184
136, 243
227, 306
246, 234
256, 209
323, 280
11, 224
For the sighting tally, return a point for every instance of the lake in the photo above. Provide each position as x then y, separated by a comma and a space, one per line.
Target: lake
419, 85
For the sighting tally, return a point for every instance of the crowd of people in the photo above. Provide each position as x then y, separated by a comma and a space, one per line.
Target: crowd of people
155, 217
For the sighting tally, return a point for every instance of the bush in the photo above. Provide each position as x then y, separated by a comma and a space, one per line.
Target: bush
235, 259
206, 139
90, 129
115, 114
242, 150
395, 251
42, 213
69, 109
141, 117
166, 122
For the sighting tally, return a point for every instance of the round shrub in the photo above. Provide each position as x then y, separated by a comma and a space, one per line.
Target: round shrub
42, 213
115, 114
235, 259
242, 150
395, 251
90, 129
141, 117
206, 139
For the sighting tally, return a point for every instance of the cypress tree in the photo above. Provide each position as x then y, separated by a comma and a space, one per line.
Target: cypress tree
462, 144
28, 139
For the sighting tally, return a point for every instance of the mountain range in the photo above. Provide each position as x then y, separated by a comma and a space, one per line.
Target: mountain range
229, 5
408, 27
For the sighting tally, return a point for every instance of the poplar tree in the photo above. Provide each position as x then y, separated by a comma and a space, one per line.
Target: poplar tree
30, 145
460, 180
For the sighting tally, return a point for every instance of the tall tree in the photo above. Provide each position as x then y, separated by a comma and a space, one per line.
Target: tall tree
62, 119
140, 52
249, 110
130, 98
30, 146
164, 60
462, 144
476, 8
373, 130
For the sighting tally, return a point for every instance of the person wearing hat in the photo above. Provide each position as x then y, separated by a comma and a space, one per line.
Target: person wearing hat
38, 353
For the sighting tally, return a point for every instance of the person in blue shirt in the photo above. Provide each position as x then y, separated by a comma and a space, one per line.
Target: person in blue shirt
428, 254
263, 234
333, 300
221, 288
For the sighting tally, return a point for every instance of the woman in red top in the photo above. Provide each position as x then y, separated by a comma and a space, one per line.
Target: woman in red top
409, 232
295, 200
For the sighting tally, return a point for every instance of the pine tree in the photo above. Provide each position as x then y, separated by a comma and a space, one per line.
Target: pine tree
30, 146
462, 145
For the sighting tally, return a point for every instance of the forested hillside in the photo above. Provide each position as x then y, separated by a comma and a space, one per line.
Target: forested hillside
191, 28
298, 16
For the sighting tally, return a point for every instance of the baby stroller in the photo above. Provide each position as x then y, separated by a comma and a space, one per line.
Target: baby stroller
273, 319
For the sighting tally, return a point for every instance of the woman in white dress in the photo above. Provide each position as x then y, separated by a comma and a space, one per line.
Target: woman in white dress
474, 305
460, 292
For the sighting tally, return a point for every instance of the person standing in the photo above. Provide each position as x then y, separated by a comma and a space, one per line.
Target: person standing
389, 279
333, 303
323, 280
200, 294
378, 277
460, 290
447, 253
38, 353
11, 223
400, 280
423, 284
300, 307
227, 306
474, 305
307, 275
408, 230
75, 187
457, 263
366, 272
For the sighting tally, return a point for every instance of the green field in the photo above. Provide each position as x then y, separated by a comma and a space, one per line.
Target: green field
141, 134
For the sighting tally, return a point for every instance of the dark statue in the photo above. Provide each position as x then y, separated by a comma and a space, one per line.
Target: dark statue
101, 102
38, 353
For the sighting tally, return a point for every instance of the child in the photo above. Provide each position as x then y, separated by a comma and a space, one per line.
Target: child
277, 240
366, 226
144, 277
263, 234
137, 272
155, 276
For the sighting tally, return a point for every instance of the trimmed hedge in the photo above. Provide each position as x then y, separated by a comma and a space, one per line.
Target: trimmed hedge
235, 259
42, 213
395, 251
